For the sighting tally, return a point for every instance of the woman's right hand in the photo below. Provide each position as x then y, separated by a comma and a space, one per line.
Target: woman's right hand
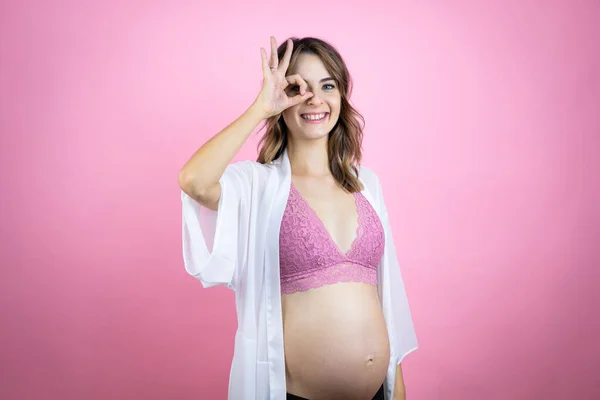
273, 98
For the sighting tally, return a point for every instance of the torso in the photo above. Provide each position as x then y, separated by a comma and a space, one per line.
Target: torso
335, 337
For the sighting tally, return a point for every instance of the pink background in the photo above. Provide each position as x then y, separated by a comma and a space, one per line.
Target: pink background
482, 122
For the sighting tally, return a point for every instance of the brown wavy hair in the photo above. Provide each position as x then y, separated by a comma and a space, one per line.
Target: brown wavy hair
345, 138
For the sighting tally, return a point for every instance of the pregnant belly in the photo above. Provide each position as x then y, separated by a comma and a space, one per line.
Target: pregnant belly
335, 341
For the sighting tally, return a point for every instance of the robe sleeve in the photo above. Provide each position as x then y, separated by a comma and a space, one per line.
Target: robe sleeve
406, 339
215, 243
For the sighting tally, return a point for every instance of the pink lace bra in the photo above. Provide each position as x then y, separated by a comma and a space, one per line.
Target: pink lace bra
308, 256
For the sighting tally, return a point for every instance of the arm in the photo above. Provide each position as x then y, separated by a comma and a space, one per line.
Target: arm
399, 388
199, 177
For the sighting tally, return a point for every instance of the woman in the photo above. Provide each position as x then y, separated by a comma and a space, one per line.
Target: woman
303, 238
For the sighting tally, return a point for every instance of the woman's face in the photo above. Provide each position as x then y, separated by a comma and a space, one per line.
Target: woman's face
306, 120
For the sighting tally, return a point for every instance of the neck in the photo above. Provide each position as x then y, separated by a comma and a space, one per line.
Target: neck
309, 158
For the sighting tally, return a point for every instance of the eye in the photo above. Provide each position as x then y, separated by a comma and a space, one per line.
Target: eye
329, 86
295, 88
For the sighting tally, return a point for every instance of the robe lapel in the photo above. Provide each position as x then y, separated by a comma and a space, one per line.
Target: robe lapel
281, 180
381, 270
383, 288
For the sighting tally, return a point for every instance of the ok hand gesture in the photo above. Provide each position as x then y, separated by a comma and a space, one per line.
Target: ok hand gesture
273, 98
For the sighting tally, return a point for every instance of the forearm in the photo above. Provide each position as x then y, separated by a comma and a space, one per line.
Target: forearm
399, 388
208, 163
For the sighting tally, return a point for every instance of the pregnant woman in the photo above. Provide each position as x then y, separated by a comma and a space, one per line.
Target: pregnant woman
302, 237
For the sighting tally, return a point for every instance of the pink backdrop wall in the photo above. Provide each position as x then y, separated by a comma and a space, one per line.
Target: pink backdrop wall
482, 122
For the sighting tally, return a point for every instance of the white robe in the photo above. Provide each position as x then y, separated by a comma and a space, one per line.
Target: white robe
238, 246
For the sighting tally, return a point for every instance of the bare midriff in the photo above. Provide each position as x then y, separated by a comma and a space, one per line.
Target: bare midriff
335, 341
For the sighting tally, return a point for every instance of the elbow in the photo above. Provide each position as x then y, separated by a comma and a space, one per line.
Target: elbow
190, 185
184, 180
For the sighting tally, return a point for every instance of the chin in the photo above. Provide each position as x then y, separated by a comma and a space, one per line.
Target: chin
319, 133
308, 135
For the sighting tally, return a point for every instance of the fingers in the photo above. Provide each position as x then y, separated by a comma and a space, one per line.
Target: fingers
297, 79
287, 56
274, 59
265, 63
300, 98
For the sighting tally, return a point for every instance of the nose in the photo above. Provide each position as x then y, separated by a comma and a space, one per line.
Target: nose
315, 99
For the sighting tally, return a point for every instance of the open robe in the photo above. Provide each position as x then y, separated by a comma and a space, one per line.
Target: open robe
238, 246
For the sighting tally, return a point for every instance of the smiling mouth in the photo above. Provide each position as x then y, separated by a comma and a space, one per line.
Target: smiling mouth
314, 118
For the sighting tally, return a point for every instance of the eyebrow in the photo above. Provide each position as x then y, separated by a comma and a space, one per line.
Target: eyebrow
329, 78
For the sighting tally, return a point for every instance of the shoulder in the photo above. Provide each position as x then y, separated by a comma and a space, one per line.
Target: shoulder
250, 167
252, 172
369, 177
373, 187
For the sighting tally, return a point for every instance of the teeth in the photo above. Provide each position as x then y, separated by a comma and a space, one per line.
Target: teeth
314, 117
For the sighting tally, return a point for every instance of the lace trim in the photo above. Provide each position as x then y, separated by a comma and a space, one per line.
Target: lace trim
344, 272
